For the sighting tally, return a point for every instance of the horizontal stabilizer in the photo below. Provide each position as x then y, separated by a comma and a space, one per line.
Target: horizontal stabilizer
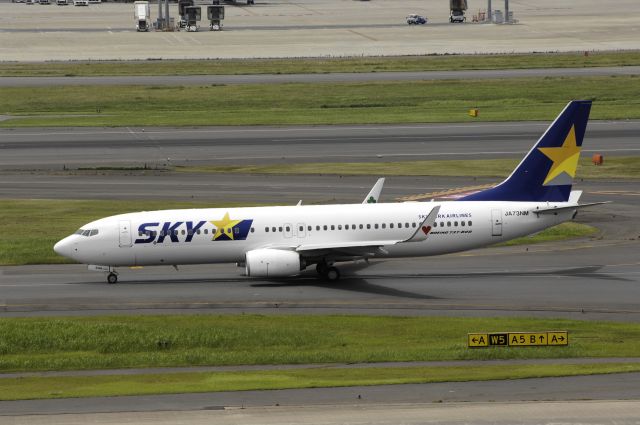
554, 210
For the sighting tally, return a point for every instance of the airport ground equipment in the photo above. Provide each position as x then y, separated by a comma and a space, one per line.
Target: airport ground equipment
414, 19
193, 15
215, 14
456, 11
62, 2
141, 15
182, 6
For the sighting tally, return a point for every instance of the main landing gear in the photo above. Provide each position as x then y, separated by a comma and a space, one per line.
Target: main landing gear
327, 272
112, 278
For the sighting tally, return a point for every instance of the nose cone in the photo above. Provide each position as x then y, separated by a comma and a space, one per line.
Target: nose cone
64, 247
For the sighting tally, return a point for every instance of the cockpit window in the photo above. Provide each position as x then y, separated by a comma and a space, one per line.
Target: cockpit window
79, 232
86, 232
93, 232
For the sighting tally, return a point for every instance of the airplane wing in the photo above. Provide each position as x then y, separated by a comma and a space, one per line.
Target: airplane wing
359, 249
374, 194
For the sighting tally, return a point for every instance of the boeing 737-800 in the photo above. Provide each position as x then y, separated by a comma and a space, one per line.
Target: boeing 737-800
284, 240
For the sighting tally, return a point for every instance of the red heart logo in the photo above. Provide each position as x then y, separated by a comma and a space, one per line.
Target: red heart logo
426, 229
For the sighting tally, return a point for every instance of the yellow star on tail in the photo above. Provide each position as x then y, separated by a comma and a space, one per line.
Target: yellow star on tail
224, 226
565, 160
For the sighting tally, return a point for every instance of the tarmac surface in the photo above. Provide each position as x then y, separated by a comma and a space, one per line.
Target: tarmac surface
310, 28
336, 77
55, 148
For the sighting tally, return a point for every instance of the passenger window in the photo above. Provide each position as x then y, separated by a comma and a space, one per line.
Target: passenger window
206, 231
273, 229
353, 227
375, 225
399, 225
435, 224
361, 226
253, 230
198, 231
384, 225
406, 225
455, 223
390, 225
266, 229
469, 223
229, 230
287, 228
462, 223
413, 225
448, 224
301, 229
318, 228
368, 226
280, 229
325, 227
339, 226
309, 228
333, 227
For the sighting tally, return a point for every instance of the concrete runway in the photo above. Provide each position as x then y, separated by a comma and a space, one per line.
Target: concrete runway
53, 148
337, 77
501, 401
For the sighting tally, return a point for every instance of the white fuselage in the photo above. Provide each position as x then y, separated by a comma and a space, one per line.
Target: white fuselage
192, 236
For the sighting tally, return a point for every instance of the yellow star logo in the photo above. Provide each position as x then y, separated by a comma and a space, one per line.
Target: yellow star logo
565, 160
224, 227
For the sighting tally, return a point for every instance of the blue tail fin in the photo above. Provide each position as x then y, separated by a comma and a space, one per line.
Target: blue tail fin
547, 172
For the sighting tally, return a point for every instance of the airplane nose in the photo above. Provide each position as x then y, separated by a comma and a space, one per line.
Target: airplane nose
64, 247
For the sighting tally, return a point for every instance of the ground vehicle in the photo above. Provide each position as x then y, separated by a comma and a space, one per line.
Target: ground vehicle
141, 15
414, 19
457, 16
81, 2
62, 2
44, 2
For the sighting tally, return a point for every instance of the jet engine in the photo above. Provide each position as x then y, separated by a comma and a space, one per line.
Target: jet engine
272, 263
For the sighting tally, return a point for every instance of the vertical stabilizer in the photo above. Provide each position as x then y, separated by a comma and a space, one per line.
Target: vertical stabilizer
547, 172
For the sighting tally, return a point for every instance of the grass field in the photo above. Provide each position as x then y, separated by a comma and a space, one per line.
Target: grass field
343, 103
120, 385
102, 342
51, 220
319, 65
613, 167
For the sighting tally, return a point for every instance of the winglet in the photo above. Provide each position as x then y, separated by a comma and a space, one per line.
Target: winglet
424, 229
374, 194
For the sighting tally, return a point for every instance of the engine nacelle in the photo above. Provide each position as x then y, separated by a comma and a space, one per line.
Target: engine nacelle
272, 263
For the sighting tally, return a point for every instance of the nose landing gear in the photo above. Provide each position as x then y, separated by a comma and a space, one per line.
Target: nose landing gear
112, 278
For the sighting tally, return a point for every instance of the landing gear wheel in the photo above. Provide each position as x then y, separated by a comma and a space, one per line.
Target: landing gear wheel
112, 278
322, 268
333, 274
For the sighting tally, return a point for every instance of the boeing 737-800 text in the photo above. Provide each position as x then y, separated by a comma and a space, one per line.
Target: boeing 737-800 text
284, 240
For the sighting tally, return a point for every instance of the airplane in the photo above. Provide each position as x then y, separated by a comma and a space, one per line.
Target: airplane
282, 241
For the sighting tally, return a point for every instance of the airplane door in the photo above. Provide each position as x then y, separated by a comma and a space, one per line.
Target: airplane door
125, 233
300, 230
496, 222
288, 231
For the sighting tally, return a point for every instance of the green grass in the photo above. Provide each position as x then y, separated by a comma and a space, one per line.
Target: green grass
29, 228
613, 167
120, 385
97, 342
615, 97
320, 65
563, 231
